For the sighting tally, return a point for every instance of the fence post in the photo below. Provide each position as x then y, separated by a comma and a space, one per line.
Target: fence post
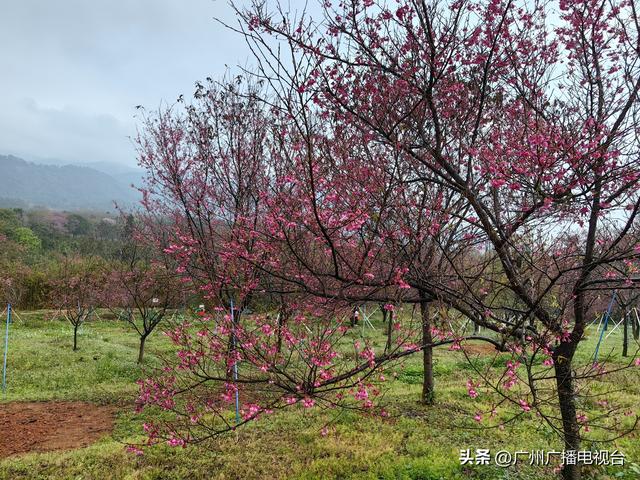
235, 364
604, 327
6, 347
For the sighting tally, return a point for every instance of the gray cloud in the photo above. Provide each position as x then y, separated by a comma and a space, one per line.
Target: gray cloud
68, 134
73, 70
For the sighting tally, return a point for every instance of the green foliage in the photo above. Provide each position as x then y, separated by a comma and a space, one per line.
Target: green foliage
26, 238
78, 225
34, 243
12, 228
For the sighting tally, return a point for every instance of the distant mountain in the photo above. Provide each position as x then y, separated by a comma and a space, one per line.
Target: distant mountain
125, 174
66, 187
111, 168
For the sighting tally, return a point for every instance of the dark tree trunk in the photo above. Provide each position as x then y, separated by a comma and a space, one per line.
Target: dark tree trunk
143, 338
625, 333
427, 356
279, 346
384, 313
75, 337
635, 327
562, 358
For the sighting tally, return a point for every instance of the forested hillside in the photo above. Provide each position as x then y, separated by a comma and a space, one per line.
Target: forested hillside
35, 243
68, 187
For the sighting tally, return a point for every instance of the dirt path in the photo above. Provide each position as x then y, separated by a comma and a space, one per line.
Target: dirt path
43, 426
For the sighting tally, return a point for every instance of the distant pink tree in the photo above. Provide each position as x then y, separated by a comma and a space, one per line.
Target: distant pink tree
141, 290
76, 291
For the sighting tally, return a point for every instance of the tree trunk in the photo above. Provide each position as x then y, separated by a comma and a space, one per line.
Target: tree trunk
562, 358
143, 338
635, 327
75, 337
427, 356
625, 333
281, 323
279, 345
384, 313
387, 347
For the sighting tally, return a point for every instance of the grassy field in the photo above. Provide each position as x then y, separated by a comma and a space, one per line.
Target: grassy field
416, 442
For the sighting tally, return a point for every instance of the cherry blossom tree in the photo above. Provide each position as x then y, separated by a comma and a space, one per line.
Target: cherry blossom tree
76, 291
205, 169
271, 222
531, 123
141, 290
372, 238
377, 230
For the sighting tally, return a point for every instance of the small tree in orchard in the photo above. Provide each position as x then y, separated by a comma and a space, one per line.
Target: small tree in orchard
617, 311
76, 291
142, 291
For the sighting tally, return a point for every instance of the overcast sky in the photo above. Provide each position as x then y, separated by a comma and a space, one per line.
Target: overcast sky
73, 70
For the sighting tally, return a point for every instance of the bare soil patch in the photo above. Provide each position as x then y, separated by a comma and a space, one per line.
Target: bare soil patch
479, 348
44, 426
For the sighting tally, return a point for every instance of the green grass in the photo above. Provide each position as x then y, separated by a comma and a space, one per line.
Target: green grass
416, 442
